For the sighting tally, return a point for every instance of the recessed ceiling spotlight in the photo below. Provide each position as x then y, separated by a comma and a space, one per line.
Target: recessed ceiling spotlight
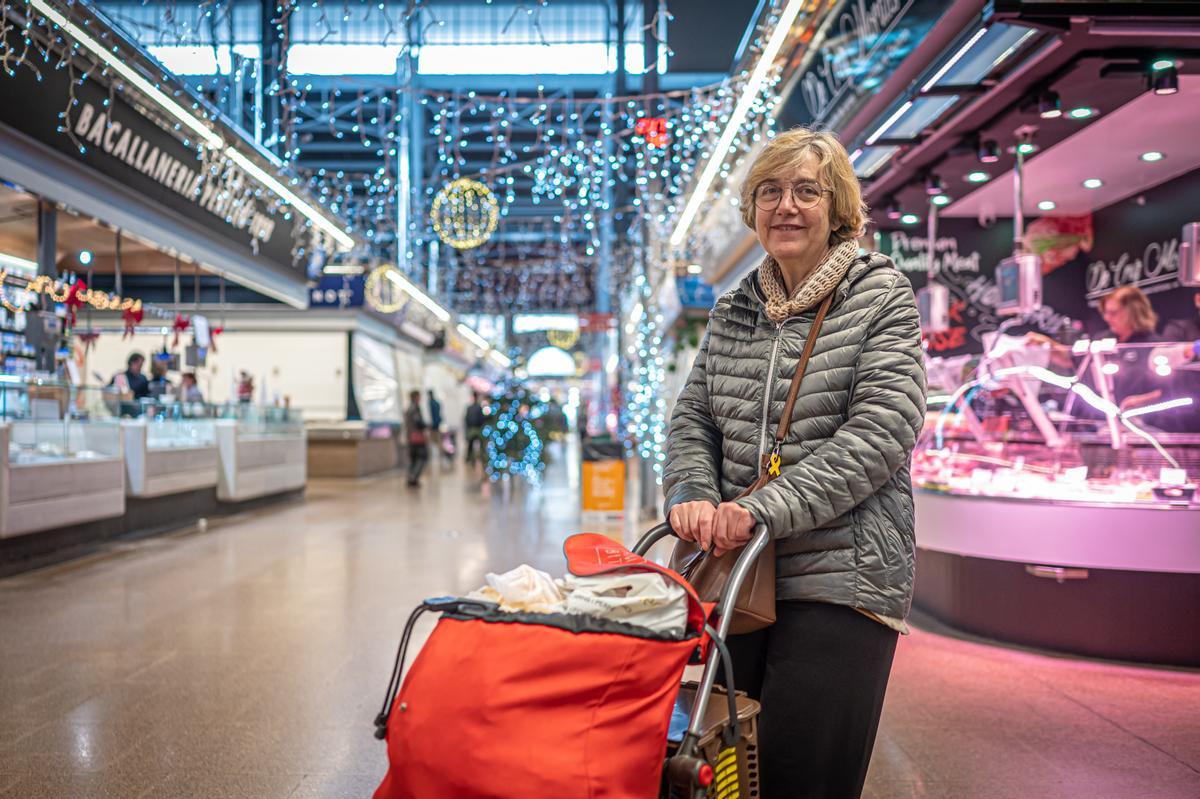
893, 210
85, 257
1165, 81
695, 269
933, 185
1093, 183
1161, 64
1152, 156
940, 199
1026, 148
1046, 205
978, 177
1049, 105
909, 219
989, 152
1082, 112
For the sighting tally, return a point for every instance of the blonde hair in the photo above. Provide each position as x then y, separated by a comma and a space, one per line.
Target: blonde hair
786, 153
1135, 301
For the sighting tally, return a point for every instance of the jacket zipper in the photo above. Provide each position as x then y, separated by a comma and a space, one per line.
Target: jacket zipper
766, 412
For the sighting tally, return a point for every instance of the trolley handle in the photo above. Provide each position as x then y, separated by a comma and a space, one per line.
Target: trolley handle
737, 575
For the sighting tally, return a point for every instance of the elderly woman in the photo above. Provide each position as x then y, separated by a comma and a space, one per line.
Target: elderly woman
841, 510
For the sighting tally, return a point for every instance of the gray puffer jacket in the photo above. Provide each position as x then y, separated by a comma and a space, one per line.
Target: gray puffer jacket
841, 509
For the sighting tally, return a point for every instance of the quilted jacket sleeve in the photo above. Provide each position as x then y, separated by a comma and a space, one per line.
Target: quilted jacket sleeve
693, 442
886, 412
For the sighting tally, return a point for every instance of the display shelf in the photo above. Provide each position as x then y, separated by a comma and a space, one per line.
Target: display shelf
169, 456
261, 451
351, 448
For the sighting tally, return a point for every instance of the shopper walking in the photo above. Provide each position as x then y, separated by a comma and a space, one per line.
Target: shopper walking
418, 438
473, 423
840, 510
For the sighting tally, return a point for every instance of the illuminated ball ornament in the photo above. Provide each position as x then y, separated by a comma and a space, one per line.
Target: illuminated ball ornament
563, 339
382, 290
465, 213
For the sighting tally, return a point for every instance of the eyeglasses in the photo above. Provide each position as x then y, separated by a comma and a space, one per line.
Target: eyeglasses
805, 195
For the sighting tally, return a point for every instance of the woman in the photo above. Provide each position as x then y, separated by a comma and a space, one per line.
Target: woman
841, 508
418, 439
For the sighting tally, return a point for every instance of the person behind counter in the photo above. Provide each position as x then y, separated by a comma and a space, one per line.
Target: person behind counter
159, 384
1131, 320
138, 385
189, 389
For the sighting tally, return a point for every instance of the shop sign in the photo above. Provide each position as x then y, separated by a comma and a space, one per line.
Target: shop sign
109, 135
695, 293
864, 42
337, 291
596, 322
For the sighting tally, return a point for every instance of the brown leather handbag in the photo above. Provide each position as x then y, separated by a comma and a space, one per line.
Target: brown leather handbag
754, 607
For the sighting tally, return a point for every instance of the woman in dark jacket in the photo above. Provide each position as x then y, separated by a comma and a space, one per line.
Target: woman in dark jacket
841, 509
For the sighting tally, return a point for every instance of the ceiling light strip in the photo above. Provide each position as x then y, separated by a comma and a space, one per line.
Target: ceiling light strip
749, 93
962, 51
474, 337
421, 297
882, 129
206, 134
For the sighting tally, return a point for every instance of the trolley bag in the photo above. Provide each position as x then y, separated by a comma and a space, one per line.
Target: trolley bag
501, 704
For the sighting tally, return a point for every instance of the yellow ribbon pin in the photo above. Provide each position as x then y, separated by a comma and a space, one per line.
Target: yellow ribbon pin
773, 469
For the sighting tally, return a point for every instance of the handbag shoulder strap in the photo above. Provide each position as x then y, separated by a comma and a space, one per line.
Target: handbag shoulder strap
785, 421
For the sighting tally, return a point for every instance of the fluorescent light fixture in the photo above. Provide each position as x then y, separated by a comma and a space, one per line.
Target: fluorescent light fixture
962, 51
1152, 156
474, 337
403, 283
343, 269
1047, 205
15, 264
536, 323
909, 219
695, 269
978, 177
500, 358
749, 94
199, 128
1093, 183
1083, 112
940, 199
882, 129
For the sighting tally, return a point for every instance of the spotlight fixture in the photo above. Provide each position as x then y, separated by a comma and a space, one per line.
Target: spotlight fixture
909, 219
1049, 105
1046, 205
1093, 183
1082, 112
85, 257
1164, 81
989, 152
978, 177
933, 185
893, 210
1162, 63
1152, 156
940, 199
695, 269
1026, 148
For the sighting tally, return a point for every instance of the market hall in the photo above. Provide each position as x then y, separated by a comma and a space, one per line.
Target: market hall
317, 318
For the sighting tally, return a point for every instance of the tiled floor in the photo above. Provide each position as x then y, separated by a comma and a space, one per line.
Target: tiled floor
248, 661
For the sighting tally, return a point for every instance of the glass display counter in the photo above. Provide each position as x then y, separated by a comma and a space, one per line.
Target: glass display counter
261, 451
61, 464
1056, 498
170, 447
352, 448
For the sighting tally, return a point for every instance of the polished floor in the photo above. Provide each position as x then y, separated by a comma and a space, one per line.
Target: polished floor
247, 660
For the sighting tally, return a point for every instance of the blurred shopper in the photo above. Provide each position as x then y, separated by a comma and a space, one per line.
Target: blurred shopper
1185, 329
135, 381
245, 387
418, 438
841, 509
473, 422
189, 389
159, 385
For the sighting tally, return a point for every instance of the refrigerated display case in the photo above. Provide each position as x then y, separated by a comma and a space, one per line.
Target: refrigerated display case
60, 465
1051, 512
171, 447
352, 449
261, 451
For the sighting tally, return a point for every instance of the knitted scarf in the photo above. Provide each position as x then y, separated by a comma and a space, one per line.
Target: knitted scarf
812, 289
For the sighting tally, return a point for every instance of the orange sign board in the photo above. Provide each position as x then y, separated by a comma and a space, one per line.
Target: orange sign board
604, 485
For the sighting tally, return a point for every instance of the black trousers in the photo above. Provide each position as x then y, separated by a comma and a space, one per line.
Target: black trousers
418, 454
820, 673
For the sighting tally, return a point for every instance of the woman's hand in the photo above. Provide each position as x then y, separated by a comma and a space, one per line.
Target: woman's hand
732, 528
693, 521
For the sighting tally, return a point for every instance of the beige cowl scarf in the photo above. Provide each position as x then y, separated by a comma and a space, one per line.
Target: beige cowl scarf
812, 290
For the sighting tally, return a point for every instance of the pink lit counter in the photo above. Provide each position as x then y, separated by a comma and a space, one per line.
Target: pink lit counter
1081, 549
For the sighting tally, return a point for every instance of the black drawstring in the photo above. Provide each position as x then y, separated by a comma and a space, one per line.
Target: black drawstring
381, 720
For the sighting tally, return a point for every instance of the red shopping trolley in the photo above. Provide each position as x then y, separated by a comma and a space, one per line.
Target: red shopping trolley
500, 704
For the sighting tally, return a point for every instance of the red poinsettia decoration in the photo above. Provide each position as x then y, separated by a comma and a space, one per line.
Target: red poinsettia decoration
212, 337
88, 340
181, 324
132, 317
76, 299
